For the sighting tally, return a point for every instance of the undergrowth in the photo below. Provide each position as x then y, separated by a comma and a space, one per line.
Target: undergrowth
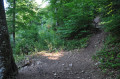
109, 56
47, 39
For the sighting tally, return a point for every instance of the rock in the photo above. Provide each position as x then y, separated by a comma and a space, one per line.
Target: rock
97, 63
55, 74
71, 65
25, 67
32, 64
38, 62
82, 71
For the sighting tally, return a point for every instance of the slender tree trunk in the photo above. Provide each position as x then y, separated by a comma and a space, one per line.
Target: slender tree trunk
14, 6
7, 64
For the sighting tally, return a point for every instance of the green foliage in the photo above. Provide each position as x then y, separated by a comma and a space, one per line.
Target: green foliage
18, 58
65, 24
73, 17
50, 39
113, 24
45, 39
33, 40
25, 41
75, 44
110, 55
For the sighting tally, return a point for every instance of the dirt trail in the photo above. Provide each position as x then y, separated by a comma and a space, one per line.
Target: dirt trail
76, 64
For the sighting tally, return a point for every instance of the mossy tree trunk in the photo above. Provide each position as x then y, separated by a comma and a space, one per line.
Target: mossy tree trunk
7, 64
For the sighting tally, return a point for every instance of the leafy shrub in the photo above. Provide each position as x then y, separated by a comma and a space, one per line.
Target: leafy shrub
76, 27
112, 24
43, 39
25, 41
75, 43
110, 55
77, 23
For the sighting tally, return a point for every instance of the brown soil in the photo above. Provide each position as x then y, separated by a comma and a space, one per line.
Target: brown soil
75, 64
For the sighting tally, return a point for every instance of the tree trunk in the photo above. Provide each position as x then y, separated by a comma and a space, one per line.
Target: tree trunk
14, 6
7, 64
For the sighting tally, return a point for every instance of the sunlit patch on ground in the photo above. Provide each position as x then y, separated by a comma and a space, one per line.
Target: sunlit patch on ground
51, 56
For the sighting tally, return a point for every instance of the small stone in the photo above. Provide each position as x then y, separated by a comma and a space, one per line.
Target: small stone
78, 77
63, 64
38, 62
32, 64
82, 71
25, 67
96, 63
55, 74
70, 65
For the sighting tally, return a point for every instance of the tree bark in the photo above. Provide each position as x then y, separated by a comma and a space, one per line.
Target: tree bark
8, 67
14, 6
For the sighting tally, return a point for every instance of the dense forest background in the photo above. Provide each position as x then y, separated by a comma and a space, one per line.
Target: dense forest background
64, 25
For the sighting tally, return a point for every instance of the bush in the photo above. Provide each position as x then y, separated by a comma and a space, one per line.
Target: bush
78, 24
112, 24
110, 55
75, 43
43, 39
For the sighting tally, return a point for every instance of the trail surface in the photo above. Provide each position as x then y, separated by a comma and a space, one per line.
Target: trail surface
76, 64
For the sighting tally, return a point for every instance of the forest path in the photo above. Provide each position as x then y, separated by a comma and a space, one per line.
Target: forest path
76, 64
